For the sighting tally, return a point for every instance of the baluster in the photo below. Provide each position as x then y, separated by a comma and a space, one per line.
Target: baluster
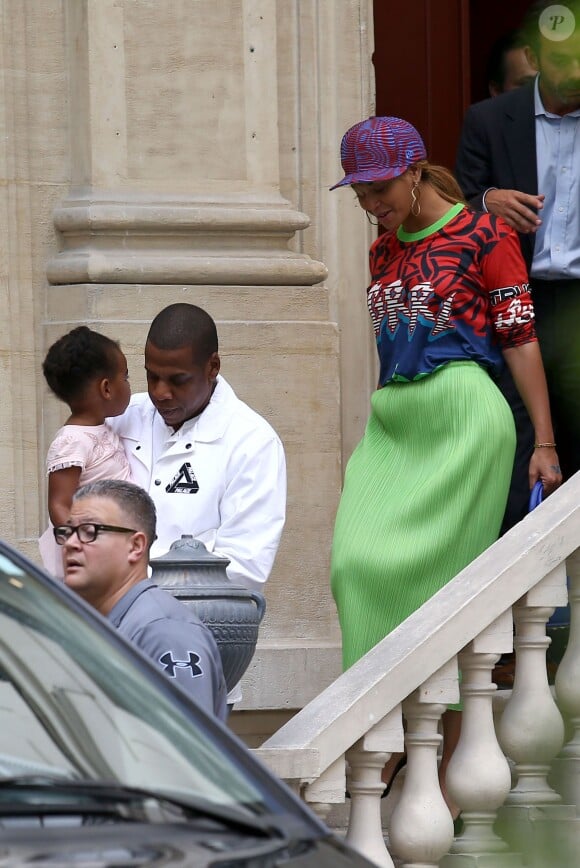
366, 760
567, 766
478, 776
531, 729
421, 828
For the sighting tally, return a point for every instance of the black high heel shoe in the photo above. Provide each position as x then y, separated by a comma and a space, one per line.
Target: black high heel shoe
401, 764
458, 826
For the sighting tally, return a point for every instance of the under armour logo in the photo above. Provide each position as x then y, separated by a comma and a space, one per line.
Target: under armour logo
170, 665
184, 481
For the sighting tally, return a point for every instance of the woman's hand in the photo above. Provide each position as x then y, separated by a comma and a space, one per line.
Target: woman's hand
544, 465
525, 364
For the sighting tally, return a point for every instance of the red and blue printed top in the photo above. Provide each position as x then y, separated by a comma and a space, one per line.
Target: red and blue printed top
456, 291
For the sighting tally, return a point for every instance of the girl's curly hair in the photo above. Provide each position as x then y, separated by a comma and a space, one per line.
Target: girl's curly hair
78, 358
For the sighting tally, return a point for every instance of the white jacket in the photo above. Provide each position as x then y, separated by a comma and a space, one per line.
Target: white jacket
221, 478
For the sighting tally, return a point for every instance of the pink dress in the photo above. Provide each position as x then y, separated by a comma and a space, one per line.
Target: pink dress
97, 450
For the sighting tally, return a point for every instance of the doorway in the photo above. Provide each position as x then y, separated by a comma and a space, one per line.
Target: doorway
489, 19
430, 60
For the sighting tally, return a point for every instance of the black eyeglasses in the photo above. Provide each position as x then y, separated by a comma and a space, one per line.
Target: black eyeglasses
87, 533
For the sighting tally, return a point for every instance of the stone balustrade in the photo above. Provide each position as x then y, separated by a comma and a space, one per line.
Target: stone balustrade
516, 785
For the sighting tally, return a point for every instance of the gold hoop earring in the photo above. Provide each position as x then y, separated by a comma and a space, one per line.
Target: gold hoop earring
415, 204
370, 221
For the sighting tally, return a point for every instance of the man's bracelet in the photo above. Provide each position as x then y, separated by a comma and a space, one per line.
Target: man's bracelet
544, 445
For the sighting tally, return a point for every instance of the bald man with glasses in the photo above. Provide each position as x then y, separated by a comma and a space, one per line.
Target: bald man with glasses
106, 543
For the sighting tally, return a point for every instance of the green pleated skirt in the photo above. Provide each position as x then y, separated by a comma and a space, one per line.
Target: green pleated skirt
424, 494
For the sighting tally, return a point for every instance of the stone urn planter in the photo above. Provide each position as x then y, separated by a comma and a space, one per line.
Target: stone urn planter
233, 613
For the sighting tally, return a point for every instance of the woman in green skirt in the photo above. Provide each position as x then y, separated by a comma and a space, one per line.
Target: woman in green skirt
426, 488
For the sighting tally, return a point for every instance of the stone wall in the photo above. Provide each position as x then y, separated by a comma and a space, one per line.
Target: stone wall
160, 151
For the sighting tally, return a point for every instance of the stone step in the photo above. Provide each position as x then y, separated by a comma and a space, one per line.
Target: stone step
547, 835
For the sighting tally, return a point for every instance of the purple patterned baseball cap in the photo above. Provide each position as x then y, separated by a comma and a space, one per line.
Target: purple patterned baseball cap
379, 149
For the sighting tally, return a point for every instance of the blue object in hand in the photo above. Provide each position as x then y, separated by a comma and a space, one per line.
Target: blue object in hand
536, 495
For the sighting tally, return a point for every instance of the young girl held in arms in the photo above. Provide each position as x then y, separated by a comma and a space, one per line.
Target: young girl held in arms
88, 372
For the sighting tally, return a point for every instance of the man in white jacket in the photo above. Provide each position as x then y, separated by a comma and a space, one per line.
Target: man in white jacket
214, 468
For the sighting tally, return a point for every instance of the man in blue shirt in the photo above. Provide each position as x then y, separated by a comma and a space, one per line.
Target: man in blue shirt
106, 543
519, 158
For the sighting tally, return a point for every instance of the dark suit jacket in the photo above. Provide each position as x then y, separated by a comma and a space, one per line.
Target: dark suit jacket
498, 149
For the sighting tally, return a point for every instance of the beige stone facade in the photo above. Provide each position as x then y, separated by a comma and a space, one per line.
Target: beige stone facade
163, 150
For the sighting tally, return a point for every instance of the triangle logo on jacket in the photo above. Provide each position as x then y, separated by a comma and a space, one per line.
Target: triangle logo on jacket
184, 481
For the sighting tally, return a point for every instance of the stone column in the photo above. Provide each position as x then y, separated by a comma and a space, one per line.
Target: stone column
202, 139
174, 148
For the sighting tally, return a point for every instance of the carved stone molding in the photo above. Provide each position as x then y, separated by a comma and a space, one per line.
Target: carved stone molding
169, 240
